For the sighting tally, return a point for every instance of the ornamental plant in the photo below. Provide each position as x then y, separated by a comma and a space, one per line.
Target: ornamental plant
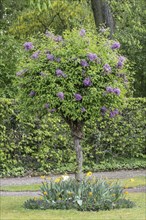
76, 76
91, 194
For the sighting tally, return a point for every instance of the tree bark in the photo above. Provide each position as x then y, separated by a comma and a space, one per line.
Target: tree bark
77, 134
108, 17
103, 14
97, 12
79, 159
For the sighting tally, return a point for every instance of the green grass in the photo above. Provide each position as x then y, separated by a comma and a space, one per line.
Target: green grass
32, 187
138, 181
12, 209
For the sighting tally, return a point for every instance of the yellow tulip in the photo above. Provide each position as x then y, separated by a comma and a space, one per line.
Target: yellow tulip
42, 177
90, 193
89, 173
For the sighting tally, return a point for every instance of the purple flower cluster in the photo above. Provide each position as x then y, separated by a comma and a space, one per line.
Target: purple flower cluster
50, 57
109, 89
28, 45
103, 110
84, 63
82, 32
92, 56
121, 62
35, 55
83, 109
49, 34
60, 95
117, 91
21, 73
58, 59
78, 97
59, 72
114, 113
107, 68
46, 105
32, 93
58, 38
115, 45
87, 82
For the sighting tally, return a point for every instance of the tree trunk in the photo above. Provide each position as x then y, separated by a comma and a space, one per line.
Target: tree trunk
77, 134
97, 12
108, 17
103, 14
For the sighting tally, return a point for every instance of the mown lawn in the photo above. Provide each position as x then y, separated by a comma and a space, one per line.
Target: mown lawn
127, 183
12, 209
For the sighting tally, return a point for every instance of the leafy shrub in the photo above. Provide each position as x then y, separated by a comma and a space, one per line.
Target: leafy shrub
122, 137
32, 147
91, 194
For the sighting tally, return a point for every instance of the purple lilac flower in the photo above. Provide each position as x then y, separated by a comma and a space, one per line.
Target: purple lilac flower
119, 65
114, 113
46, 105
117, 91
92, 56
83, 109
21, 73
84, 63
49, 34
109, 89
87, 82
107, 68
82, 32
103, 110
58, 59
115, 45
122, 58
58, 38
60, 73
53, 110
50, 57
32, 93
28, 45
78, 97
122, 75
60, 95
35, 55
120, 62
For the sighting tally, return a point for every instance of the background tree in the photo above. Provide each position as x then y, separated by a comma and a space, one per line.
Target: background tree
103, 14
58, 15
76, 76
130, 19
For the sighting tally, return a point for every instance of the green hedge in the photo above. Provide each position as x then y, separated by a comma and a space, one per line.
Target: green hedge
45, 145
123, 136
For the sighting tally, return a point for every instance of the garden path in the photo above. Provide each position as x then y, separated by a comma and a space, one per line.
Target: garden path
37, 180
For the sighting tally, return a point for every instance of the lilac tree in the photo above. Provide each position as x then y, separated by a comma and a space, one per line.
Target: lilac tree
76, 77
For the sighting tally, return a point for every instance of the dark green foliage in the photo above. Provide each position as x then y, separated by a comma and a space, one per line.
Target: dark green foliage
91, 194
130, 19
36, 204
9, 55
46, 145
123, 136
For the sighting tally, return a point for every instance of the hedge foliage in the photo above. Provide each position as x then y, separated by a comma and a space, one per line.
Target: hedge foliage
45, 145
